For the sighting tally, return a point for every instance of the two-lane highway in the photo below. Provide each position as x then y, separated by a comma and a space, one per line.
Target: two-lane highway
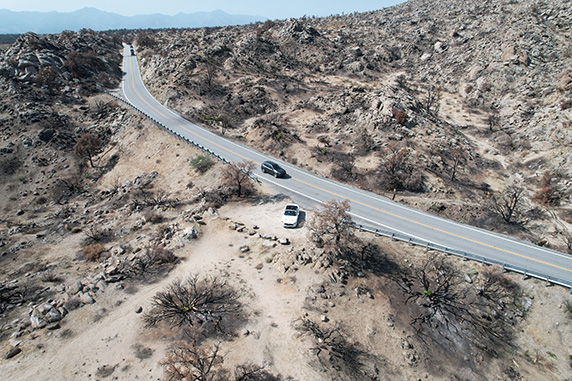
366, 208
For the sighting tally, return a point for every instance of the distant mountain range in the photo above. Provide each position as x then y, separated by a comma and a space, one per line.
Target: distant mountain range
91, 18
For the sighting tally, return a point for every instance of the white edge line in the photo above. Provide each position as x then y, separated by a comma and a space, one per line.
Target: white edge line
381, 199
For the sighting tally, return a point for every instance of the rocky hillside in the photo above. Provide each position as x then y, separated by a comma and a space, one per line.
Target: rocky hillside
467, 100
447, 106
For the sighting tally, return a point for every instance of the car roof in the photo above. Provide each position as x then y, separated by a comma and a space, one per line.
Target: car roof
268, 162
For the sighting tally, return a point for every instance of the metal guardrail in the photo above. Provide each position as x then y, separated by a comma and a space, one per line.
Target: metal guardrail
210, 152
465, 256
393, 236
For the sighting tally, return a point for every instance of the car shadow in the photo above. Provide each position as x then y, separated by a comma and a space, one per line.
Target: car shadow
301, 219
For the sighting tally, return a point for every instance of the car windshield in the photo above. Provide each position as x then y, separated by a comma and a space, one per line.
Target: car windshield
276, 167
290, 213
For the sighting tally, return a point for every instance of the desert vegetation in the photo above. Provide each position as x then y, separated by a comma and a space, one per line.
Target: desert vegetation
164, 262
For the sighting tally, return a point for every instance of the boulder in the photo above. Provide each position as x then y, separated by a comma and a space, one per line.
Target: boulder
12, 352
269, 244
284, 241
74, 288
86, 298
190, 233
43, 315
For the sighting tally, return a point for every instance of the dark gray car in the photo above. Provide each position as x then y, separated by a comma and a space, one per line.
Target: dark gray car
272, 168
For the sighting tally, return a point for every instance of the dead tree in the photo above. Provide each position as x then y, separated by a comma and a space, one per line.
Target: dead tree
493, 121
397, 172
331, 226
432, 101
237, 176
87, 146
508, 204
446, 309
194, 302
454, 160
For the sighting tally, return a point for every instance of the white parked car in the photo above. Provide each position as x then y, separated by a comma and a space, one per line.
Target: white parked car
290, 216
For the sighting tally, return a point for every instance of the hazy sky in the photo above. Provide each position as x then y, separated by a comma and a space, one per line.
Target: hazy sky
271, 9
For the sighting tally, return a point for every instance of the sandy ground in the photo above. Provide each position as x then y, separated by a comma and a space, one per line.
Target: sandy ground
107, 340
102, 337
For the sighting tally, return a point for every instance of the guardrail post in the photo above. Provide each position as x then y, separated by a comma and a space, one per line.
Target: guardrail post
409, 241
392, 236
547, 282
464, 257
503, 267
524, 276
376, 233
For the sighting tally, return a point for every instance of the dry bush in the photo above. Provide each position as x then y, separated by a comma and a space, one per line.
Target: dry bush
50, 276
202, 163
201, 302
344, 166
335, 353
93, 252
152, 258
103, 109
153, 217
549, 193
83, 64
431, 102
214, 198
397, 172
10, 294
253, 372
454, 160
47, 77
9, 165
192, 361
399, 115
97, 234
145, 39
72, 303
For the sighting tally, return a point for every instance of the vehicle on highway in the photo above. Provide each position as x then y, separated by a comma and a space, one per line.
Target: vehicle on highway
272, 168
290, 216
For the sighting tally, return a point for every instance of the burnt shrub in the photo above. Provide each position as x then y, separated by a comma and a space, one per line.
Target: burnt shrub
196, 301
93, 252
399, 115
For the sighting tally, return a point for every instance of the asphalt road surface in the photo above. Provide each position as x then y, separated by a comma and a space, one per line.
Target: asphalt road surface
366, 208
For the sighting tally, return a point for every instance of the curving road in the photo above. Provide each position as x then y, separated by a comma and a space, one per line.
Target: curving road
366, 208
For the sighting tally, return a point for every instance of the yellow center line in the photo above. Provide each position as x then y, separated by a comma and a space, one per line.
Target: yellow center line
352, 200
434, 228
180, 125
